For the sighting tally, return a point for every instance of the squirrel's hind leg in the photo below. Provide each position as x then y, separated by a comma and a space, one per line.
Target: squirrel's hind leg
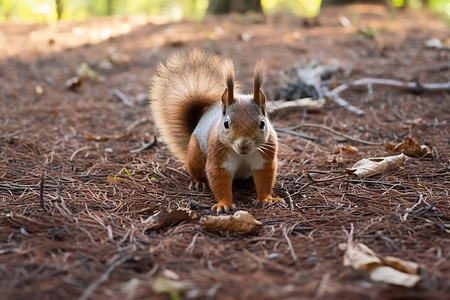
195, 165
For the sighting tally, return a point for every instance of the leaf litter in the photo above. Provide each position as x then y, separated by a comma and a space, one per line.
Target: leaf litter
89, 238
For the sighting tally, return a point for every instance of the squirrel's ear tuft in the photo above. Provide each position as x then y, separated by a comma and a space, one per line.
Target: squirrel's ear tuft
224, 99
228, 94
260, 100
258, 78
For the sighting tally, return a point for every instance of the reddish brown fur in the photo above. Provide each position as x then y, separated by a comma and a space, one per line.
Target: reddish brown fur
219, 179
183, 89
195, 161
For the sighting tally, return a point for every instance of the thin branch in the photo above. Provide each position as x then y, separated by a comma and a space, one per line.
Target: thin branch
408, 210
145, 146
291, 248
291, 202
88, 292
122, 97
305, 136
343, 103
412, 86
289, 130
41, 190
77, 151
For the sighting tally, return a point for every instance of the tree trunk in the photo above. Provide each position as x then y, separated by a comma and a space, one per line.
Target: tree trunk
110, 7
59, 8
228, 6
339, 2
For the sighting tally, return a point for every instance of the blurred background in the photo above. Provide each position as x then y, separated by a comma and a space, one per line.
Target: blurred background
53, 10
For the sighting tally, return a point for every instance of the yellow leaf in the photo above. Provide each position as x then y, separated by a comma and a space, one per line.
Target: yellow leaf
113, 180
350, 149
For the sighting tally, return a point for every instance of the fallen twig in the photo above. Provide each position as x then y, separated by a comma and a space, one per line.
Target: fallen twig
145, 146
305, 103
114, 92
289, 130
122, 97
408, 210
306, 137
291, 248
77, 151
87, 293
137, 123
41, 190
412, 86
343, 103
291, 202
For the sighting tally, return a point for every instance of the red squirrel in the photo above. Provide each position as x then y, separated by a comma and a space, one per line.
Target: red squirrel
219, 133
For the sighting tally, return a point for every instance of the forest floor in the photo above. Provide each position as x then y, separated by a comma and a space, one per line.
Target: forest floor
77, 191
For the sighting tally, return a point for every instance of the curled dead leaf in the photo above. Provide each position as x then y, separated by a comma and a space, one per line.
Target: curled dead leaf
73, 83
348, 149
381, 268
335, 159
166, 218
409, 147
370, 166
240, 222
116, 58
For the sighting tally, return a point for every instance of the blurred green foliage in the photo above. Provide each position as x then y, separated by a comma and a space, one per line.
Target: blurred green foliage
45, 10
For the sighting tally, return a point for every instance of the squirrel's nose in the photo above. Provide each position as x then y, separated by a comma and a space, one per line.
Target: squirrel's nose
243, 144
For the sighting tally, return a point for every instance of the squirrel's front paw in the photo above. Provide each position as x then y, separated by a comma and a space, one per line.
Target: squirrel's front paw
223, 207
266, 201
197, 186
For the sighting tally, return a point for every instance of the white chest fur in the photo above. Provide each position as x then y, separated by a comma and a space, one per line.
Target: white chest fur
243, 166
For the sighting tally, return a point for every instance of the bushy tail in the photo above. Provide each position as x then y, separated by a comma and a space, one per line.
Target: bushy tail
182, 89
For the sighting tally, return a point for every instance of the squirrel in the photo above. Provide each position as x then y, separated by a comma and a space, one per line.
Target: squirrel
219, 133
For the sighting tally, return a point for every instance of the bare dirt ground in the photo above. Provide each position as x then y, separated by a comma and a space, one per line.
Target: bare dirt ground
88, 238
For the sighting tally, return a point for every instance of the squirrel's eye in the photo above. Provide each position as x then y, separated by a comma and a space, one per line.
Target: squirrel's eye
262, 124
226, 124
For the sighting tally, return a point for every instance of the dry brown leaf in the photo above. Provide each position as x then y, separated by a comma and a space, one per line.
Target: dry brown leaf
241, 222
124, 137
348, 149
113, 180
96, 137
386, 269
166, 218
101, 137
118, 59
73, 83
336, 158
293, 36
409, 147
370, 166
